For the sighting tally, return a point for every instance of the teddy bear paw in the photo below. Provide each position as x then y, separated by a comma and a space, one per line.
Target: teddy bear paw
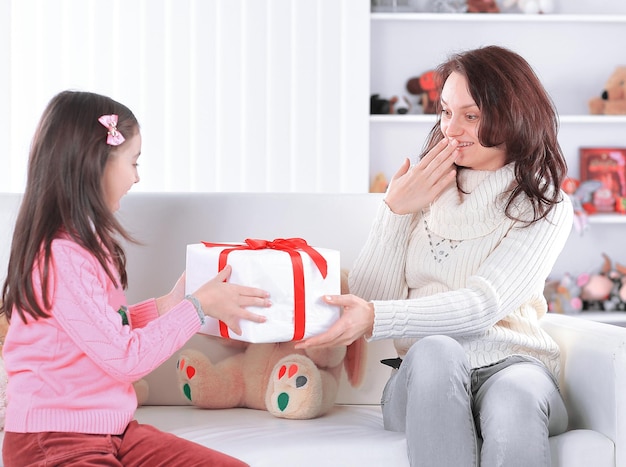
189, 368
295, 388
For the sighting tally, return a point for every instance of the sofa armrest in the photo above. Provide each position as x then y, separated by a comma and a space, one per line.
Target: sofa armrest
593, 375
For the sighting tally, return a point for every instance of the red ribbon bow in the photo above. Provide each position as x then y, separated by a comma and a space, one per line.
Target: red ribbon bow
292, 246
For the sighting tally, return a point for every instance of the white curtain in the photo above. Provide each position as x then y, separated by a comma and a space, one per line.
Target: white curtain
232, 95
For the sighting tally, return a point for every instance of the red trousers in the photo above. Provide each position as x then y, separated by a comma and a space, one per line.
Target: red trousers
140, 445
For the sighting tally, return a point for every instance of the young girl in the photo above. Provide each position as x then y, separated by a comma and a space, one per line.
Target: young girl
74, 347
454, 271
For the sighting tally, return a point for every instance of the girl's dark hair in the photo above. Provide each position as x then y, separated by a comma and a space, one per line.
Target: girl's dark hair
516, 113
64, 195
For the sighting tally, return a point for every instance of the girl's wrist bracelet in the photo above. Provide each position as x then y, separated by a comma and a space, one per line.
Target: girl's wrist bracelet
196, 303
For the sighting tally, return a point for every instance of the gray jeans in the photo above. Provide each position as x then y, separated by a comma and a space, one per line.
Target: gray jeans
453, 416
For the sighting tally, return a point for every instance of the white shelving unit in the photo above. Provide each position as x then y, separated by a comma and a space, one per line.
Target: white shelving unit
573, 51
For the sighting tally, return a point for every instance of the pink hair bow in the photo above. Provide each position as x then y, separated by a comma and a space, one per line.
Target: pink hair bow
114, 137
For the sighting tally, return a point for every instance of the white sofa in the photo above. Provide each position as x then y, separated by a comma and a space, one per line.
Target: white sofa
594, 360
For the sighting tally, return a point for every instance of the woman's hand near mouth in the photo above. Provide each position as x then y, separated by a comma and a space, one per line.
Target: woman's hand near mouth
414, 188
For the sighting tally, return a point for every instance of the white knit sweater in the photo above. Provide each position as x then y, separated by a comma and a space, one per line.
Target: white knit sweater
463, 269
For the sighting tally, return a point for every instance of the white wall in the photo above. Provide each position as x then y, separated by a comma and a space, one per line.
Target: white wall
232, 95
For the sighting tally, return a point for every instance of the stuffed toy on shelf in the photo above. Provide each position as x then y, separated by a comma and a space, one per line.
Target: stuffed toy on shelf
581, 195
612, 100
482, 6
605, 290
563, 296
287, 382
425, 86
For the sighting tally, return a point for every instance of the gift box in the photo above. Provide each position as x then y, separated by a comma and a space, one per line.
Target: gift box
295, 274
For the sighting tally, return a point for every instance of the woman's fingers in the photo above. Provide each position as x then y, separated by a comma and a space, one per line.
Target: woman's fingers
439, 159
404, 168
355, 321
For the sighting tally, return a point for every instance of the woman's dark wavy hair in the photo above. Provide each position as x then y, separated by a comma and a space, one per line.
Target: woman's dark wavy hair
516, 113
64, 194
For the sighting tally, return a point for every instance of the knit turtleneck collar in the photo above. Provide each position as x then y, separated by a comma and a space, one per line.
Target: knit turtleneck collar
474, 206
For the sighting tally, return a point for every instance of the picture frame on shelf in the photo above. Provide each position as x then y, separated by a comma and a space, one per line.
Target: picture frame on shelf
608, 166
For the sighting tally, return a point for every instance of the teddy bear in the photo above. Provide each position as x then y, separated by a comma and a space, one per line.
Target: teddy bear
612, 101
530, 6
287, 382
426, 88
277, 377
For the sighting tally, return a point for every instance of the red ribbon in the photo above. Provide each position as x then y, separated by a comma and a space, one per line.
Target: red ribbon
292, 246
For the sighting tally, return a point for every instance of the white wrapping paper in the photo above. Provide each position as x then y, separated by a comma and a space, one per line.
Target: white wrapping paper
271, 270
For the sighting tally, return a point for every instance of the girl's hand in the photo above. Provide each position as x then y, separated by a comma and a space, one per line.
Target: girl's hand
228, 302
174, 297
357, 319
414, 188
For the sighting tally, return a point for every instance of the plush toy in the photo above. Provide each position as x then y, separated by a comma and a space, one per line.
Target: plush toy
530, 6
426, 87
393, 105
612, 101
581, 195
399, 105
482, 6
563, 296
605, 290
287, 382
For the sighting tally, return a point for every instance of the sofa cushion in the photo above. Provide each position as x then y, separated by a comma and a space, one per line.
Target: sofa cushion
347, 435
582, 448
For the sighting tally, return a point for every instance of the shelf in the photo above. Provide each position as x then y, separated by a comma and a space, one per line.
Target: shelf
425, 118
500, 17
607, 219
397, 118
597, 119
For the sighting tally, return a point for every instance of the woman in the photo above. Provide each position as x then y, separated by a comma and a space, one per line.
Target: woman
454, 269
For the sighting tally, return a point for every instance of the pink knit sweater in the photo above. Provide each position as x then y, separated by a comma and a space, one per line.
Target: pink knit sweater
73, 372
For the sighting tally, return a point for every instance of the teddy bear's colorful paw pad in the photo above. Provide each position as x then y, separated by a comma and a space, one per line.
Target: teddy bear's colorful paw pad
295, 388
186, 372
299, 382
